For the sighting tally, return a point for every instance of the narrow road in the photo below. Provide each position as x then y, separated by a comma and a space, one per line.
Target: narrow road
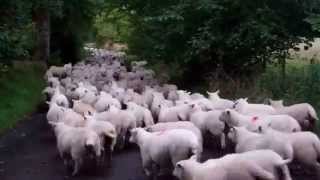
28, 152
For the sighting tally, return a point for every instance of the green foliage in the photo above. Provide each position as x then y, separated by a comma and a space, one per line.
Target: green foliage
112, 24
235, 35
302, 84
71, 25
20, 93
15, 29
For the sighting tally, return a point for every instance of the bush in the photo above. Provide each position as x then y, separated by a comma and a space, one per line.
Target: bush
20, 93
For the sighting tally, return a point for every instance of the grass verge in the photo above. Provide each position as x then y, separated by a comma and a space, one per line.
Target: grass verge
20, 93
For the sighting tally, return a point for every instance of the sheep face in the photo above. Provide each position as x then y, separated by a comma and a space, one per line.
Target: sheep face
134, 135
92, 146
232, 135
178, 170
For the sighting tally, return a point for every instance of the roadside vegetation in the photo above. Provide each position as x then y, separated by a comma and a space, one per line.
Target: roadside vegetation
20, 93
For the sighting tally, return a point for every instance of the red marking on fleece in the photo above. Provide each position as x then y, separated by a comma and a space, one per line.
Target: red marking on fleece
254, 118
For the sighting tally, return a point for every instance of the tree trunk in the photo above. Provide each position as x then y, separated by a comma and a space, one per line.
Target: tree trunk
283, 73
41, 17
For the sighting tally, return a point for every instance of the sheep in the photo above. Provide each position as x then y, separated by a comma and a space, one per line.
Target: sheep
157, 101
191, 169
122, 120
105, 101
196, 96
218, 102
183, 95
282, 123
131, 96
85, 95
76, 143
229, 167
242, 106
60, 71
142, 114
48, 92
106, 132
53, 82
176, 113
82, 108
59, 98
55, 112
304, 113
164, 148
72, 118
269, 161
209, 122
306, 146
177, 125
248, 141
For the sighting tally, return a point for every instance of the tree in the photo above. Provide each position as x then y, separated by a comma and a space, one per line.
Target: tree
238, 37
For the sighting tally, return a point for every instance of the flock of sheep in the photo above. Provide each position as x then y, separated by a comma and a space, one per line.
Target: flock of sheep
99, 106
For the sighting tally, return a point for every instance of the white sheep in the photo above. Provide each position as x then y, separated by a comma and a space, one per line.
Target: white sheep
218, 102
176, 113
122, 120
306, 146
282, 123
209, 122
304, 113
77, 143
247, 141
85, 95
53, 82
177, 125
82, 108
48, 92
55, 112
142, 114
59, 98
72, 118
229, 167
158, 100
60, 71
242, 106
106, 132
105, 101
163, 148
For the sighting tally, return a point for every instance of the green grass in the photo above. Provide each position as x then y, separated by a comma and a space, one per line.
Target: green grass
20, 93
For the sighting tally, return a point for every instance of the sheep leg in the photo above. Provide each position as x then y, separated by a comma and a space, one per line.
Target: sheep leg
147, 165
260, 173
223, 140
286, 172
77, 164
155, 171
317, 167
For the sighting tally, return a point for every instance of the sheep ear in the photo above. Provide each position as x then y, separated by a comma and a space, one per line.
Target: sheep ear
149, 129
209, 93
281, 102
217, 92
47, 102
179, 165
194, 157
246, 99
181, 117
228, 112
52, 124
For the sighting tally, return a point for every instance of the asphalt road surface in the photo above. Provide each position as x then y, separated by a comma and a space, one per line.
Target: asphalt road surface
28, 152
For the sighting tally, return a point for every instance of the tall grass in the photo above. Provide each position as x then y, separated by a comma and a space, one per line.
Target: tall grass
301, 84
20, 93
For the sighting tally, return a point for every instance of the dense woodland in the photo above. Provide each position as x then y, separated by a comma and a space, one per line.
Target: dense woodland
219, 40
